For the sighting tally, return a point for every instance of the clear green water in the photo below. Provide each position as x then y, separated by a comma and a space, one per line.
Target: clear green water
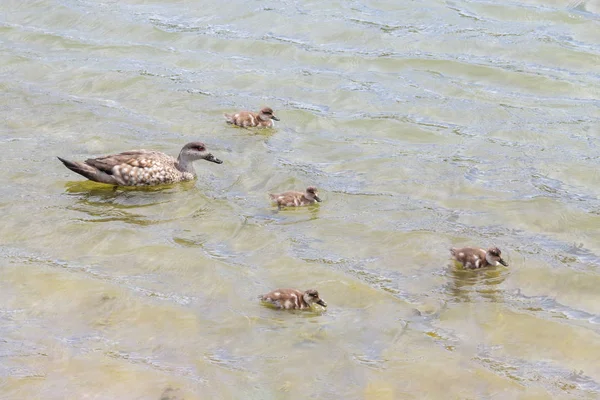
425, 125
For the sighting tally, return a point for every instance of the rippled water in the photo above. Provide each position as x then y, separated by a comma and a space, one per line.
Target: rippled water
425, 125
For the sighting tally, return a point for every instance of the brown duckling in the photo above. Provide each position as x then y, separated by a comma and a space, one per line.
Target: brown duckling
474, 258
296, 199
246, 119
293, 299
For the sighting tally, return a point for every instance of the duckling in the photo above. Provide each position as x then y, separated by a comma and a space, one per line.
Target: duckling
296, 199
143, 167
474, 258
293, 299
262, 119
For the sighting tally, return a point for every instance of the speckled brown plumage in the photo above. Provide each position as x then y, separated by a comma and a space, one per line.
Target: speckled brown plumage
143, 167
474, 258
296, 199
293, 299
262, 119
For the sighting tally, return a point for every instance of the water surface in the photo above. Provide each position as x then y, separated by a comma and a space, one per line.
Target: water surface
424, 125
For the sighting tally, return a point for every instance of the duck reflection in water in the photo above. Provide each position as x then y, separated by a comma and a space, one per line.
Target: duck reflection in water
103, 203
466, 285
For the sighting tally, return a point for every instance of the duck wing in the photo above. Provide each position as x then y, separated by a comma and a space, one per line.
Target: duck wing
133, 158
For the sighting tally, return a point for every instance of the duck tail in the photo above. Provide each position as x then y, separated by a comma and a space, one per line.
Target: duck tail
88, 171
228, 118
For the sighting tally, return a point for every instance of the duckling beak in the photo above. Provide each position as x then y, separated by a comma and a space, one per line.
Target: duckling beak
501, 261
317, 198
212, 158
274, 117
322, 303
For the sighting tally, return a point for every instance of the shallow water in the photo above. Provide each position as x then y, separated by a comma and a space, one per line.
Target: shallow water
425, 125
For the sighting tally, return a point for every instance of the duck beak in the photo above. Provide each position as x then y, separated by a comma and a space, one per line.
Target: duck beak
501, 261
322, 303
317, 198
274, 117
212, 158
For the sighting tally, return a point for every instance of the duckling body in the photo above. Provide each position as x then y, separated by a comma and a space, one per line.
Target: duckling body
296, 199
143, 167
293, 299
474, 258
246, 119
